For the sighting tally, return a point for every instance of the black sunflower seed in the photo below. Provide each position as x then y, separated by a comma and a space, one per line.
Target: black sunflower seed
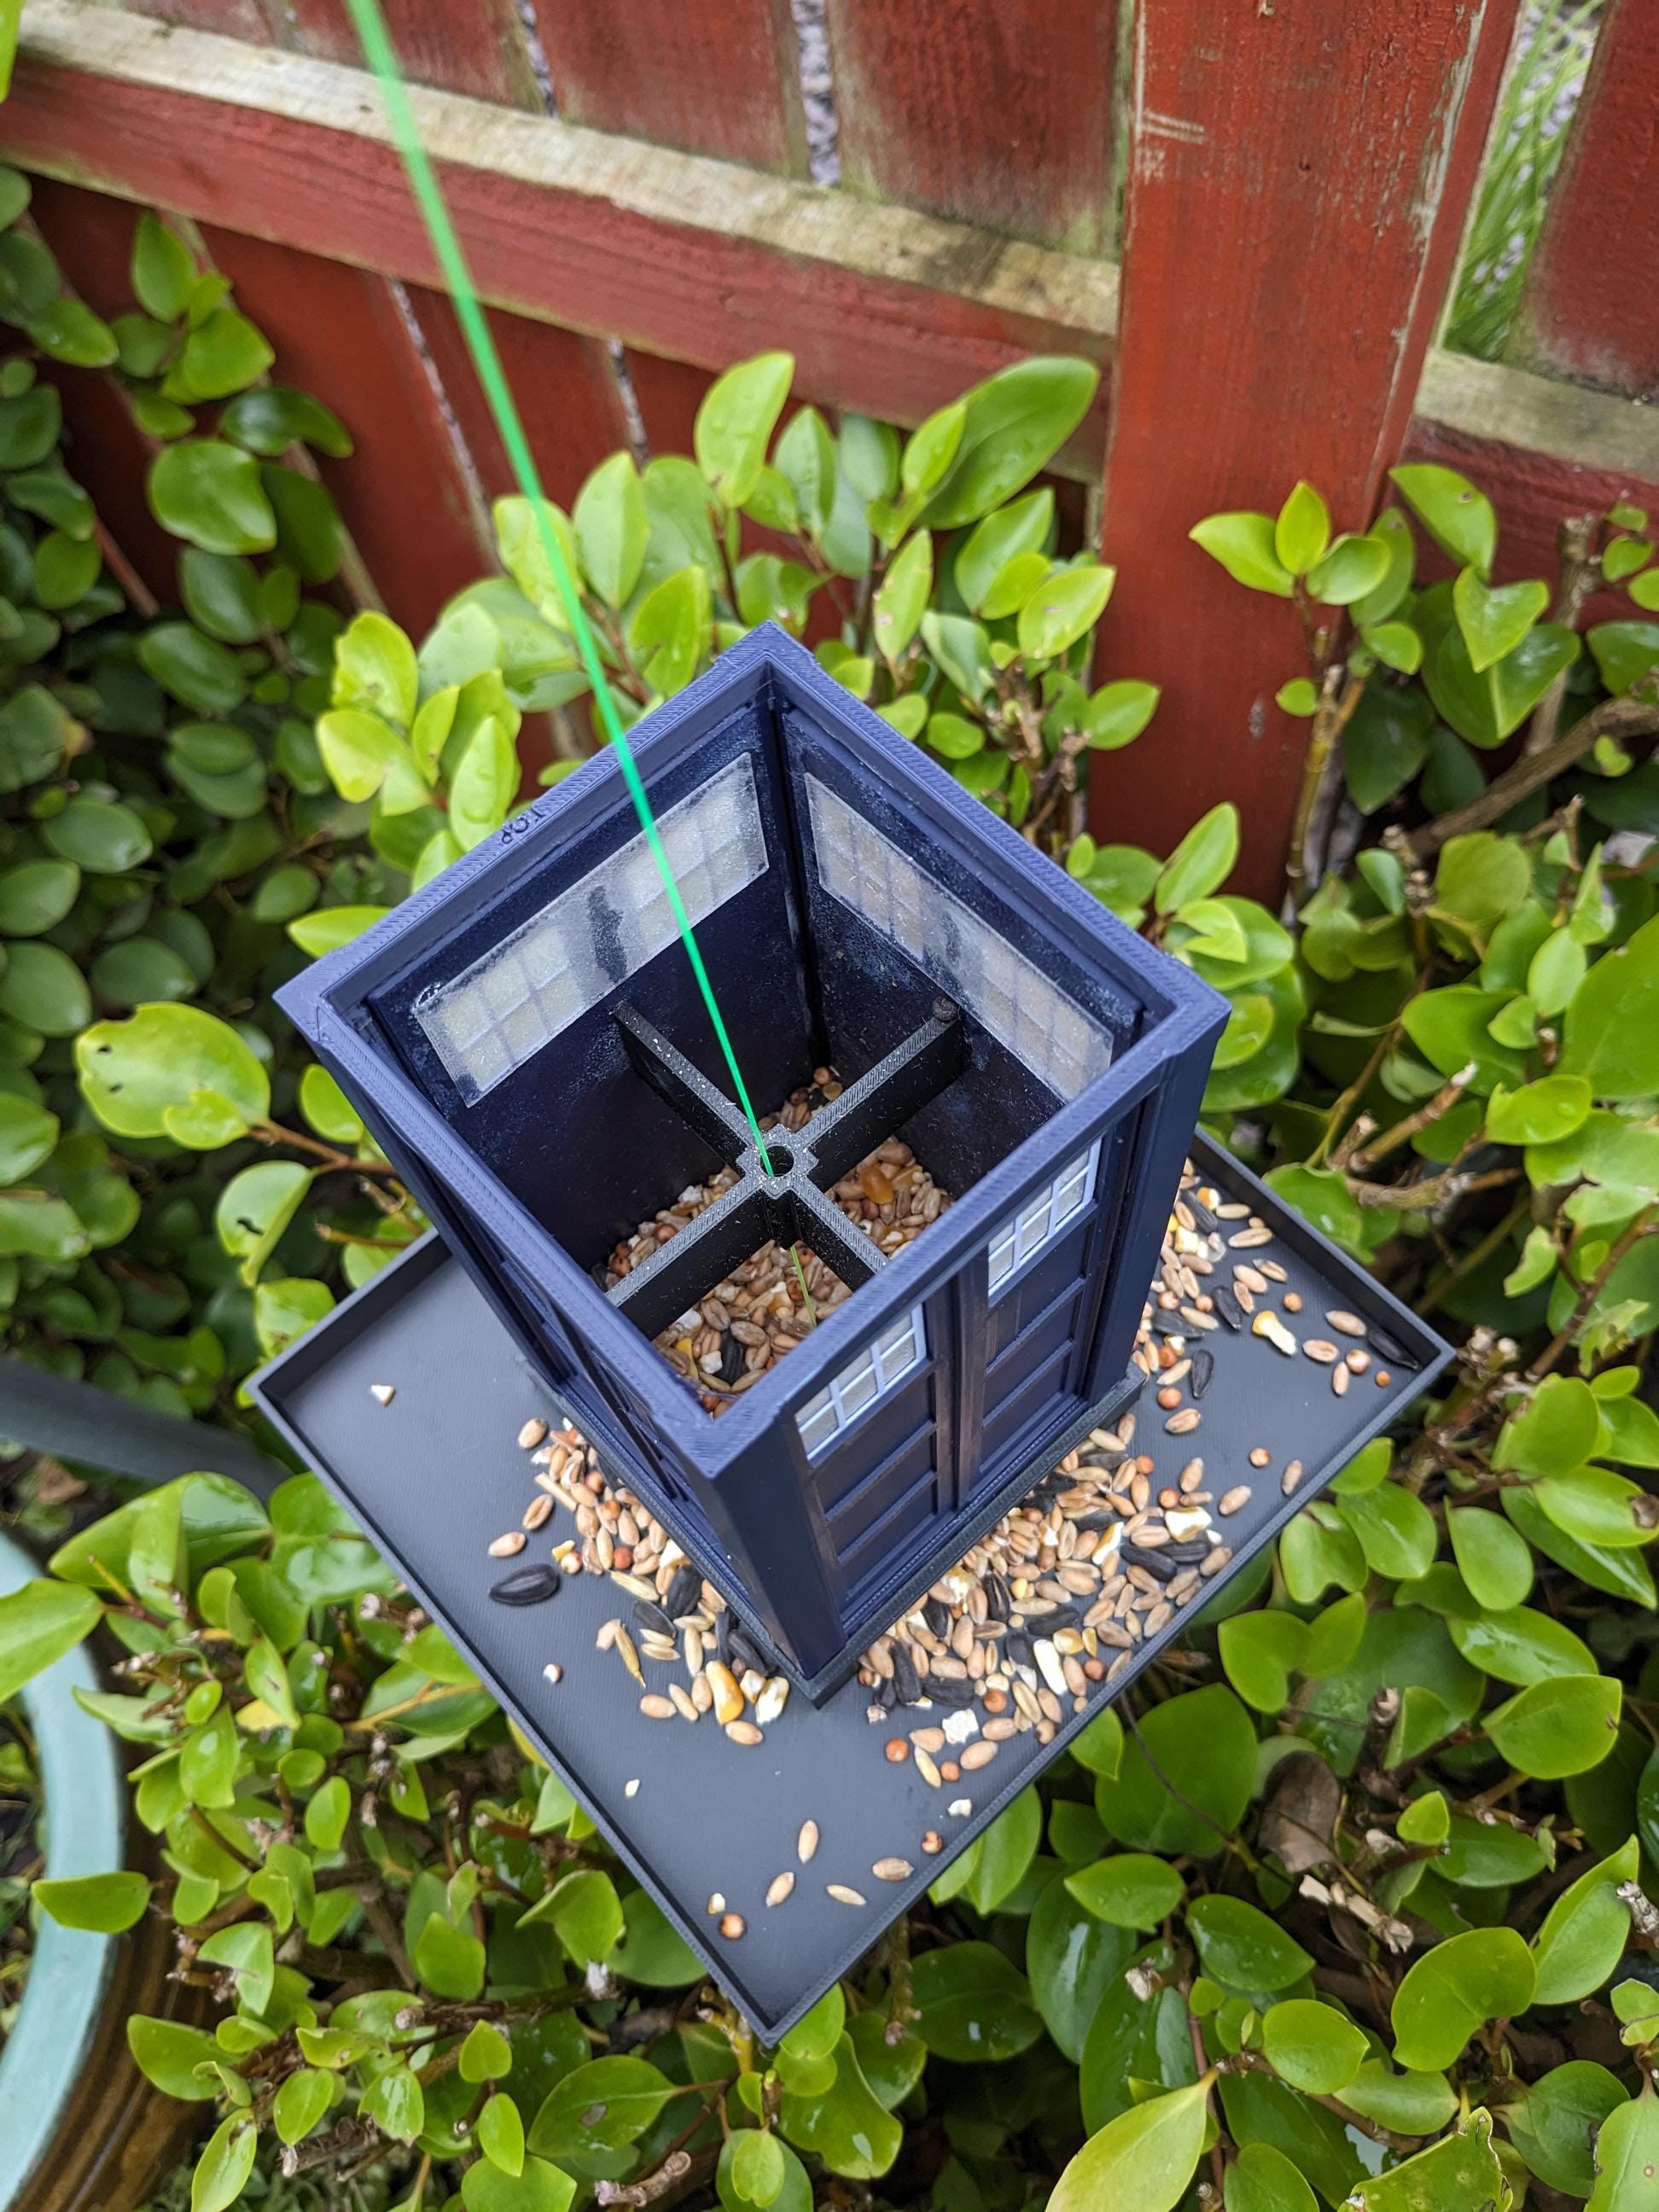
1390, 1348
653, 1616
732, 1360
527, 1586
907, 1683
999, 1598
1019, 1648
744, 1654
945, 1691
1203, 1371
1203, 1220
1227, 1306
684, 1593
937, 1615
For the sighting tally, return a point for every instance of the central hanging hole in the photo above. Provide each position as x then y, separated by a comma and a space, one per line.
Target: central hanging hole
781, 1158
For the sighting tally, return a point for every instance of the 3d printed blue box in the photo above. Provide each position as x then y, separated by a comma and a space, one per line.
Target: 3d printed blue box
525, 1040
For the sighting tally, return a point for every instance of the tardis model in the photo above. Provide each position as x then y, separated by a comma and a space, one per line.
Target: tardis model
526, 1039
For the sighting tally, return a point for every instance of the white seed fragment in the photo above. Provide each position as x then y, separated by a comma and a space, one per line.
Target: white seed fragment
716, 1903
553, 1673
772, 1699
1049, 1665
1267, 1323
503, 1547
807, 1842
631, 1789
841, 1894
382, 1392
892, 1869
960, 1807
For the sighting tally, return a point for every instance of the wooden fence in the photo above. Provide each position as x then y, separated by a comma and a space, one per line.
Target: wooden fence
1295, 179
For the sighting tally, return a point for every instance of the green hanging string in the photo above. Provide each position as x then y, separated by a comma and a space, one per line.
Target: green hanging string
376, 43
377, 46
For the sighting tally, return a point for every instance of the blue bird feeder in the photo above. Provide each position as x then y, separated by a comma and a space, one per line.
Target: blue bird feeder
525, 1040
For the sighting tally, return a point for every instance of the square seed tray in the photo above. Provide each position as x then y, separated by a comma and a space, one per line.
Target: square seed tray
436, 1473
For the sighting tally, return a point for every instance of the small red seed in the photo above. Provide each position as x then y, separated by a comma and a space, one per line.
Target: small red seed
897, 1750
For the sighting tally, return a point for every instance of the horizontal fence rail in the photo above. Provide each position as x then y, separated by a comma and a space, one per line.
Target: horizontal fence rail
1296, 182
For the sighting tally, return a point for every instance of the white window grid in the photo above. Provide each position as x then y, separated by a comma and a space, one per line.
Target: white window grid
1042, 1026
516, 998
863, 1382
1041, 1219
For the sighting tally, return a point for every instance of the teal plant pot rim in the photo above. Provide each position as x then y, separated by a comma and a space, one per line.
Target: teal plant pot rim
85, 1800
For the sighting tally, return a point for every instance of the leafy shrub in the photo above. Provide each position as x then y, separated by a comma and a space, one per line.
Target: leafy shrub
1346, 1903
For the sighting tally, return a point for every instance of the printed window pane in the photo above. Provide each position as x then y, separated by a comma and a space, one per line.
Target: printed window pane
862, 1381
859, 1388
1021, 1238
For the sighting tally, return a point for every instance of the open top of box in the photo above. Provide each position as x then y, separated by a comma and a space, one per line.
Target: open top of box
855, 907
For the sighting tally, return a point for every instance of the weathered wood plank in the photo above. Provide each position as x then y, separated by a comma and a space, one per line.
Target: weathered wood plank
1590, 308
886, 310
997, 112
1297, 189
476, 46
564, 384
403, 494
236, 19
719, 78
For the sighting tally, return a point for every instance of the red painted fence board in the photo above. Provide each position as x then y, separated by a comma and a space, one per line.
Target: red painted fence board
710, 76
898, 345
563, 385
996, 112
1296, 189
1591, 309
402, 495
476, 46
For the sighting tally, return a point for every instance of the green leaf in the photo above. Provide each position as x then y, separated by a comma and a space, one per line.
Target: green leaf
484, 783
1494, 619
670, 631
1540, 1113
610, 522
1627, 2156
1201, 862
1598, 1507
1558, 1429
974, 2005
1064, 608
270, 418
1396, 1531
1462, 2170
486, 2055
28, 1135
301, 2103
1023, 526
1262, 2179
331, 927
38, 1625
1587, 1931
1481, 878
1297, 697
1354, 568
1458, 518
223, 354
1132, 1890
1260, 1652
36, 895
1202, 1746
1455, 1989
1516, 1645
735, 423
846, 2125
173, 2056
1239, 1946
225, 2165
1554, 2125
1563, 1725
600, 2106
539, 2188
1312, 2046
106, 1903
1005, 1851
903, 598
359, 751
396, 2102
1557, 970
255, 1207
1144, 2158
1489, 705
1017, 421
1302, 530
1075, 1962
1624, 653
163, 269
375, 670
501, 2133
1610, 1037
931, 447
1245, 545
209, 494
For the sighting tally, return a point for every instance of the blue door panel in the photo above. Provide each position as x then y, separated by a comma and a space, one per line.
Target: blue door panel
912, 1464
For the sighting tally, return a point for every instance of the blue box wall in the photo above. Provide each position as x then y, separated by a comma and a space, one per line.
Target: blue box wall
534, 1167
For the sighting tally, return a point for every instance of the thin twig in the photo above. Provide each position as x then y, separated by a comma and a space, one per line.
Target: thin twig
1626, 717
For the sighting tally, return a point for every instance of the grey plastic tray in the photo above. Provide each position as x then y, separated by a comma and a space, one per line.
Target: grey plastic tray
433, 1476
